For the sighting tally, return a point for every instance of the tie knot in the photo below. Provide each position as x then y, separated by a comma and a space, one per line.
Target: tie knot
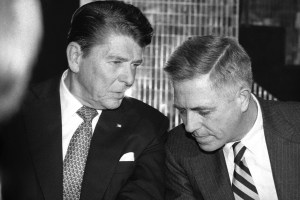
238, 150
87, 113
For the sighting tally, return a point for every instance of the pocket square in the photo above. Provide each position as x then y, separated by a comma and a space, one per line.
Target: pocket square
127, 157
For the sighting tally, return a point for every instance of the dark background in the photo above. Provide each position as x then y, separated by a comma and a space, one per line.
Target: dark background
56, 21
266, 47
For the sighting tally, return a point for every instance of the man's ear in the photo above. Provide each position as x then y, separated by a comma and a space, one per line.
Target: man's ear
244, 96
74, 56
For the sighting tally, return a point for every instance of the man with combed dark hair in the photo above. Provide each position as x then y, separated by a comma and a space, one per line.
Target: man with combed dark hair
78, 136
232, 144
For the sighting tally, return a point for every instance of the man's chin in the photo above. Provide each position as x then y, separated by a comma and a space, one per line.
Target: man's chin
208, 147
112, 104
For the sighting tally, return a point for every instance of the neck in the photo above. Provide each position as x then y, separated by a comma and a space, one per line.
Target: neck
67, 80
249, 118
70, 82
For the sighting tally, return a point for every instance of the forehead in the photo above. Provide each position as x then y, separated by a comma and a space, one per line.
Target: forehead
197, 92
120, 45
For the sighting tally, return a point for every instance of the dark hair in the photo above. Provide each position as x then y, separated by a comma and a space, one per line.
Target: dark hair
223, 58
93, 22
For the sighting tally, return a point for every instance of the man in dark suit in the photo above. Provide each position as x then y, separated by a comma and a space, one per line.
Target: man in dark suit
231, 145
77, 136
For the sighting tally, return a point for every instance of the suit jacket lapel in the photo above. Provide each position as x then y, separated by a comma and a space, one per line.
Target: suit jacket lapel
45, 141
212, 175
105, 151
283, 152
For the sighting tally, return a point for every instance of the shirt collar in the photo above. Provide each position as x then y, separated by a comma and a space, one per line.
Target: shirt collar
69, 104
254, 137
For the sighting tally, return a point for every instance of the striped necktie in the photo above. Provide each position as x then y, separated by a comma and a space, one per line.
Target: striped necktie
242, 183
74, 163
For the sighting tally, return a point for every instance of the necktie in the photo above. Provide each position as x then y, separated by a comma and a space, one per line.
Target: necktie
74, 163
242, 183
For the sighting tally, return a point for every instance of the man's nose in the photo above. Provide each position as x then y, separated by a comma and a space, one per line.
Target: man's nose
128, 75
192, 122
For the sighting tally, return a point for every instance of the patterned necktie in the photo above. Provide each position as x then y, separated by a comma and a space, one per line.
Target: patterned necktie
242, 184
76, 156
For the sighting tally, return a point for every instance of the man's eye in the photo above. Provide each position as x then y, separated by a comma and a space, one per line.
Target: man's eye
181, 111
116, 62
136, 64
203, 113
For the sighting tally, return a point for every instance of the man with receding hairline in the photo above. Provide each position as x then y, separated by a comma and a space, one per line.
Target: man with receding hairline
232, 144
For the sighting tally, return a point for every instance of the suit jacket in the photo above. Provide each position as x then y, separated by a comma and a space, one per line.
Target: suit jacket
31, 151
194, 174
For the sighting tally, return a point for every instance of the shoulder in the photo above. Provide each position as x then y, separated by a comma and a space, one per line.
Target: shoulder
281, 105
287, 110
43, 90
144, 119
143, 110
283, 118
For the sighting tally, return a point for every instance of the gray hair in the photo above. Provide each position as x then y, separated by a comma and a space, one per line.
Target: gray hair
223, 58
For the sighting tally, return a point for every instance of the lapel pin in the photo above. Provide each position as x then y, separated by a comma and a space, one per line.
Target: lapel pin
119, 125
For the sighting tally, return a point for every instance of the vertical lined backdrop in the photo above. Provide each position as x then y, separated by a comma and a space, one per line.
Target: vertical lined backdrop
173, 22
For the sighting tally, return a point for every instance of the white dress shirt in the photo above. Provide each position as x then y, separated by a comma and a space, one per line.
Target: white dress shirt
257, 159
69, 118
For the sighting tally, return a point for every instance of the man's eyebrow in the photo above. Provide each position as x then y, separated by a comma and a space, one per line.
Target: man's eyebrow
200, 108
138, 61
117, 58
124, 59
197, 108
177, 107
